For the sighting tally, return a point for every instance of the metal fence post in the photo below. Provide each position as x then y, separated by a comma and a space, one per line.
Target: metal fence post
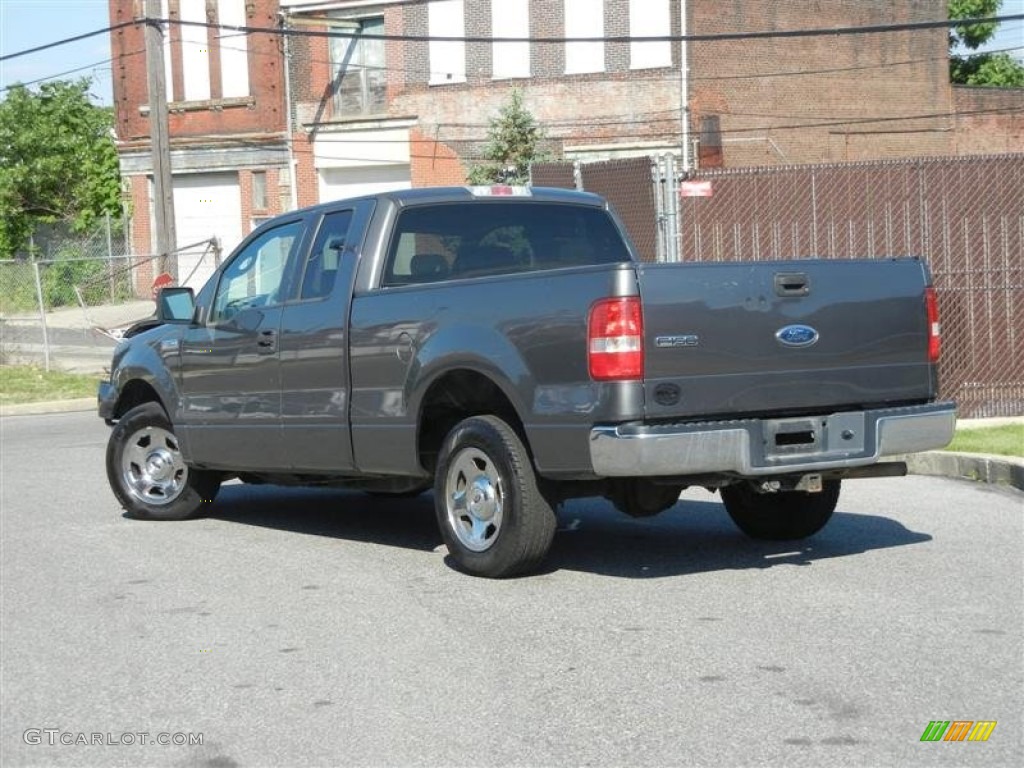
676, 208
42, 315
658, 178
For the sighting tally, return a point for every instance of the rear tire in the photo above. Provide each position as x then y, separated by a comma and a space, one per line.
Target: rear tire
147, 472
782, 516
493, 517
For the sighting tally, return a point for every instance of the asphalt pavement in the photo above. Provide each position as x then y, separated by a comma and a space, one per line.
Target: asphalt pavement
308, 628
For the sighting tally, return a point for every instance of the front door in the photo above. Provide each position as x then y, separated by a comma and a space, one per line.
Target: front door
230, 366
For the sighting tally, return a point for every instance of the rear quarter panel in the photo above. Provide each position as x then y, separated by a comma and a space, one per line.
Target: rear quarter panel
526, 332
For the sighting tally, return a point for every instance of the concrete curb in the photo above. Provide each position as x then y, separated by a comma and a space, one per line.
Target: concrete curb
53, 406
994, 470
982, 468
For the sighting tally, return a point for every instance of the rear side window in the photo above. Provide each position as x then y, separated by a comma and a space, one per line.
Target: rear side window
455, 241
325, 256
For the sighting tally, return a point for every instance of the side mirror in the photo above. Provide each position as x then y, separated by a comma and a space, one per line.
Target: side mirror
175, 305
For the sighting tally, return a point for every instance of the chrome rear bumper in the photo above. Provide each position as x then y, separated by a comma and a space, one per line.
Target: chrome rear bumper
758, 447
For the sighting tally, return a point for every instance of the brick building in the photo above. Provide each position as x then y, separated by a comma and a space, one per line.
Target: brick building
229, 155
366, 114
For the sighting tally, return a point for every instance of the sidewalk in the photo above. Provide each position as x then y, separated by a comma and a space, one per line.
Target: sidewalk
78, 319
74, 337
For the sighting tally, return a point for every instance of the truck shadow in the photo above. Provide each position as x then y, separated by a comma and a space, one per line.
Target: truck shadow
698, 537
692, 537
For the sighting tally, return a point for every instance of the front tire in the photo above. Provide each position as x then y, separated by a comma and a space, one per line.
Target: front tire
147, 472
493, 517
782, 516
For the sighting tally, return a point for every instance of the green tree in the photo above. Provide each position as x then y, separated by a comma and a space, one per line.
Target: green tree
58, 161
514, 140
998, 69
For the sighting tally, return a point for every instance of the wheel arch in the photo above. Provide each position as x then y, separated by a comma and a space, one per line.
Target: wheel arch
134, 393
459, 394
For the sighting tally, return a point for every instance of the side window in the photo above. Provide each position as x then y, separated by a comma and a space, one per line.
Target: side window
321, 267
254, 276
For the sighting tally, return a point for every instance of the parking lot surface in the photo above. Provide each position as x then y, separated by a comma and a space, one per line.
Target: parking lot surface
318, 627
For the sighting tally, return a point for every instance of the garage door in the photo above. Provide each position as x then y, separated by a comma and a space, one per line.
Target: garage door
205, 205
339, 183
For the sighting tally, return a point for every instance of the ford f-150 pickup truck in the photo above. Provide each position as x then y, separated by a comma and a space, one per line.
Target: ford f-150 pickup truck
505, 347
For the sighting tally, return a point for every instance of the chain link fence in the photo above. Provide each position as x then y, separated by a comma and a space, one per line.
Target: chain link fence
68, 311
963, 215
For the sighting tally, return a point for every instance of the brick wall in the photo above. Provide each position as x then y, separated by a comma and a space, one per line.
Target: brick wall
433, 163
262, 112
990, 120
855, 78
308, 189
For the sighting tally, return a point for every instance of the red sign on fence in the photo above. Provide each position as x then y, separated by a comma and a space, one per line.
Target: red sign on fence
696, 189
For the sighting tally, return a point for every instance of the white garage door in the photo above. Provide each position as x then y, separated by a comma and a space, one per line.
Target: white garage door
205, 205
339, 183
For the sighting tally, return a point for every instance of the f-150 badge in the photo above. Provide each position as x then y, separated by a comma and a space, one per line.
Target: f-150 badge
689, 340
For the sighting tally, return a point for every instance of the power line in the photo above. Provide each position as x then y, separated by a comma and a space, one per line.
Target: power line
94, 65
67, 40
698, 38
716, 37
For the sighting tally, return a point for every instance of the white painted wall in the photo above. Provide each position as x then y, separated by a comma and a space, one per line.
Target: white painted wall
649, 18
195, 52
447, 59
205, 205
354, 149
234, 50
341, 183
165, 13
510, 18
584, 18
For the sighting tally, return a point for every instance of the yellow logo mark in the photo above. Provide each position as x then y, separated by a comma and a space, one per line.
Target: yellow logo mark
982, 730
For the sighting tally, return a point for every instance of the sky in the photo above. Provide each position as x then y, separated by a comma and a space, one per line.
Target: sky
27, 23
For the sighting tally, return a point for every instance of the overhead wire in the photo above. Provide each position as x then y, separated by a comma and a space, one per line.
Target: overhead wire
700, 37
628, 118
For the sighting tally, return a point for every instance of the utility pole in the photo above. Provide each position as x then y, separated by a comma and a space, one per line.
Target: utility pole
160, 145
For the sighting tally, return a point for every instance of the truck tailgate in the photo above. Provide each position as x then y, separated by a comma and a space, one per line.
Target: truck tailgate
724, 339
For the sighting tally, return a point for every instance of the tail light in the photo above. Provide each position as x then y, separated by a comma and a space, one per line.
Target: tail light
615, 339
931, 305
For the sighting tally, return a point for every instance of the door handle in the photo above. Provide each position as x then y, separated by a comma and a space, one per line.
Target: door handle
792, 284
267, 342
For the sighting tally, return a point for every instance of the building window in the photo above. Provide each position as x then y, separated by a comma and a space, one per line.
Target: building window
360, 77
259, 190
193, 54
234, 49
195, 51
510, 18
584, 18
709, 152
649, 18
446, 18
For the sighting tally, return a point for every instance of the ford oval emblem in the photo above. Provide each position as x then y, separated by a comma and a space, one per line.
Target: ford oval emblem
796, 336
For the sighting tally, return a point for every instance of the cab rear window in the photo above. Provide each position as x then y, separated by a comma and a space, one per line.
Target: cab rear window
451, 242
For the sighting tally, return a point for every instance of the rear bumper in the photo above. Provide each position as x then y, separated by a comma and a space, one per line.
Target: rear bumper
753, 447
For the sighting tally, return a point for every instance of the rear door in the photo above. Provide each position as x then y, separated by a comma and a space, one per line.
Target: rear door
230, 372
754, 338
314, 345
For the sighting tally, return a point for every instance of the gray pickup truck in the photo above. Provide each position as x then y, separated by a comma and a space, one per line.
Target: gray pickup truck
505, 347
